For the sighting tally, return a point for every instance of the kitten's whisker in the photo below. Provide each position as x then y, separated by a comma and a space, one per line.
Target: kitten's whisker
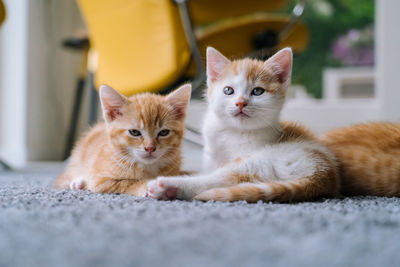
264, 108
170, 161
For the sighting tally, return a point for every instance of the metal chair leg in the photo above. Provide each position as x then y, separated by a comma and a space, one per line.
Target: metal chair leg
5, 166
194, 47
74, 117
93, 101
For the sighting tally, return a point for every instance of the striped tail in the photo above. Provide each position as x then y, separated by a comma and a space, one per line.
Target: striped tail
281, 191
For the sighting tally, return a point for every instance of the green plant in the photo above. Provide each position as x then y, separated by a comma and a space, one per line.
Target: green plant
326, 20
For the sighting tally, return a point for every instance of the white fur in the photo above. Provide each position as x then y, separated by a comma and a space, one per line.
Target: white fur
263, 110
253, 139
274, 162
227, 137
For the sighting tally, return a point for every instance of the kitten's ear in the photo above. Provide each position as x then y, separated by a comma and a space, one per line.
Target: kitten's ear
216, 63
179, 100
111, 102
281, 63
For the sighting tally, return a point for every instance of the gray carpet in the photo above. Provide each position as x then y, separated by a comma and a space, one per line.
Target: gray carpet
40, 226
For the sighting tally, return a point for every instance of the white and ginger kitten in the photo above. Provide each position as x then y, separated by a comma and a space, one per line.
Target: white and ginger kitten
248, 153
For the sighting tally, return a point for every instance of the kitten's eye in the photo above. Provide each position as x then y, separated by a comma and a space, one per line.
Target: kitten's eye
134, 132
164, 132
257, 91
228, 90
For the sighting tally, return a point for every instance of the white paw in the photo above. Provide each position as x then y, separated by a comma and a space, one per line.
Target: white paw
161, 189
77, 184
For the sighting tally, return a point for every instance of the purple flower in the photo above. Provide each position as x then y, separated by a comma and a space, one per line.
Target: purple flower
355, 48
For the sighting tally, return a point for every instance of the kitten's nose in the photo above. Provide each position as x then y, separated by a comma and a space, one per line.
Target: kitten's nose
241, 104
150, 149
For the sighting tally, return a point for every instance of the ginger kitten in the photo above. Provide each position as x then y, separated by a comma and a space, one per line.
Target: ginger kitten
249, 154
369, 158
139, 140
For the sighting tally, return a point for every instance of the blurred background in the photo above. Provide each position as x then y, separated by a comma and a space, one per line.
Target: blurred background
55, 53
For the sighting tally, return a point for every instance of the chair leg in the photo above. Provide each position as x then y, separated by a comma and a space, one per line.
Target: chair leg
192, 41
74, 117
198, 85
5, 166
93, 101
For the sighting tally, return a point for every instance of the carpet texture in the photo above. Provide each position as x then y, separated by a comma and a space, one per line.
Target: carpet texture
40, 226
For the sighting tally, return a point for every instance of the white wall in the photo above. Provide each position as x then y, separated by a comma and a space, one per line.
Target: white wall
13, 83
388, 58
37, 79
52, 74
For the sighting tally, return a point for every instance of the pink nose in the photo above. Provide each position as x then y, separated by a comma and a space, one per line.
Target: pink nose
150, 149
241, 105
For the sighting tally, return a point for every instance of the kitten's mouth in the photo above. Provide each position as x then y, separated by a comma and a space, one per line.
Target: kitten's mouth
149, 156
241, 114
148, 159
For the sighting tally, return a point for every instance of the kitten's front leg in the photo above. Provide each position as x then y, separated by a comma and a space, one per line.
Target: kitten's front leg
121, 186
186, 187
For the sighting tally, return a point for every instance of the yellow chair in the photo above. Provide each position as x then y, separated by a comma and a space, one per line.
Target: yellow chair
145, 45
152, 45
243, 28
140, 43
2, 12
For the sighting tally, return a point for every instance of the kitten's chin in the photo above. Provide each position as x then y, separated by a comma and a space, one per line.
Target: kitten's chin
243, 121
148, 159
241, 115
